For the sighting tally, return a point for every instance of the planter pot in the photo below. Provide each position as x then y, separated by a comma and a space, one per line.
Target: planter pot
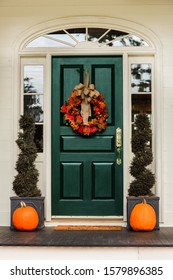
152, 200
36, 202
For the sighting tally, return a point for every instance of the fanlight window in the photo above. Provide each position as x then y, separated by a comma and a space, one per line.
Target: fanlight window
70, 38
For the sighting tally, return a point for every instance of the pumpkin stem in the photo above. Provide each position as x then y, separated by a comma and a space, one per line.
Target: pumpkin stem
144, 201
22, 204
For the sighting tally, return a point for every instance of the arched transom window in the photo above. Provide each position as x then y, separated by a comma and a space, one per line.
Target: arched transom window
102, 37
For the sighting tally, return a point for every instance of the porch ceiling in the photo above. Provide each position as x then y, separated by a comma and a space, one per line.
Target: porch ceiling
12, 3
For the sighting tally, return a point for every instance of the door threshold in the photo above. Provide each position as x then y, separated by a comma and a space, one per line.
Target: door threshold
86, 220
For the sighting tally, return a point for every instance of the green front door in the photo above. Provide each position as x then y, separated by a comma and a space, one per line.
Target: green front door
86, 179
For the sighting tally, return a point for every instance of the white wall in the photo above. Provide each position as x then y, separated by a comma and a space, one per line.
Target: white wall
85, 253
17, 17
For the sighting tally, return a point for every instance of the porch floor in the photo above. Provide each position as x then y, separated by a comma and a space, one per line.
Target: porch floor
50, 237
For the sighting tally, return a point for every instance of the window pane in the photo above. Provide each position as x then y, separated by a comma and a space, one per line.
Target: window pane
141, 103
78, 33
133, 41
33, 104
43, 42
140, 78
39, 138
33, 79
95, 33
72, 36
64, 38
111, 35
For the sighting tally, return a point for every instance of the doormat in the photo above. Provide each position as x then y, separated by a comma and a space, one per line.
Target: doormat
88, 228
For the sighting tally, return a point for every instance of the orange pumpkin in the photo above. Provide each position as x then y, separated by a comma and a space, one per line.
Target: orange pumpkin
143, 217
25, 218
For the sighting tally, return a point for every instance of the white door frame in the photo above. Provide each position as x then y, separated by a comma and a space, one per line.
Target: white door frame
101, 22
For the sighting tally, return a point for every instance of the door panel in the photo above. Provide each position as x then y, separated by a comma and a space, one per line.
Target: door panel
86, 179
73, 143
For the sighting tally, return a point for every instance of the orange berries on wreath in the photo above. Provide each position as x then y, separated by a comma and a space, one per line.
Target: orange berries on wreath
73, 115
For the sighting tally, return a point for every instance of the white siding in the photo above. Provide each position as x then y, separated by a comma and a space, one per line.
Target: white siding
86, 253
6, 123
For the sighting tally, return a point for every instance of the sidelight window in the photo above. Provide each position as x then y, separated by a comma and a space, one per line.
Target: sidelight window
141, 89
33, 97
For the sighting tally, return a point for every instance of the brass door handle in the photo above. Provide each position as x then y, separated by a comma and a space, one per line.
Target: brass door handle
118, 144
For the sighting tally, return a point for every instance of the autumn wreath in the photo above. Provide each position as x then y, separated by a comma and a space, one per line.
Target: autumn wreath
86, 110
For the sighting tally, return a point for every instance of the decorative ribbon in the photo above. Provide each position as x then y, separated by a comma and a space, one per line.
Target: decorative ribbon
87, 93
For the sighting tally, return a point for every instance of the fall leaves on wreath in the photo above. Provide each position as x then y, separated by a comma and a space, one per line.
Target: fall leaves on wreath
72, 114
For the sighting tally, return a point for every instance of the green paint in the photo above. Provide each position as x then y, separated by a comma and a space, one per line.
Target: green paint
86, 179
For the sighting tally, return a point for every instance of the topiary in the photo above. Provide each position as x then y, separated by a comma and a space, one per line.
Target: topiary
144, 178
25, 182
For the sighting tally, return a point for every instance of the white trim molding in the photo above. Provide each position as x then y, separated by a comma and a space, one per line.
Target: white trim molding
89, 21
155, 50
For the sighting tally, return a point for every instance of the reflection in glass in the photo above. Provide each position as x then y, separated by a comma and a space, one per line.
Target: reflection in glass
43, 42
39, 138
33, 79
78, 33
130, 41
63, 37
95, 33
135, 41
104, 37
140, 78
112, 35
63, 40
141, 103
33, 105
